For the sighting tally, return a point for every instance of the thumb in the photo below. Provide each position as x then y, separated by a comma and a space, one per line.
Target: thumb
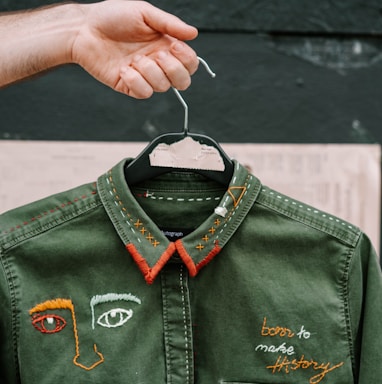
169, 24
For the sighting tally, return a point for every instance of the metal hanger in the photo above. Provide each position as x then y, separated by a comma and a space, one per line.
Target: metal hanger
140, 169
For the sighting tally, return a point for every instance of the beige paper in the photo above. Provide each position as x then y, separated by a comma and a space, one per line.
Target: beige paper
188, 154
343, 180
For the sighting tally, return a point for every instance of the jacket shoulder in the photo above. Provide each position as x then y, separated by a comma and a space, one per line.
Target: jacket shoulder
309, 216
28, 220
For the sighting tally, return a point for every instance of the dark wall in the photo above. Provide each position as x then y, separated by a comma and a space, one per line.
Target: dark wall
296, 71
325, 16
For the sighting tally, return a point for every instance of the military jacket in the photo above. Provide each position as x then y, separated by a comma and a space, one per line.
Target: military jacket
181, 280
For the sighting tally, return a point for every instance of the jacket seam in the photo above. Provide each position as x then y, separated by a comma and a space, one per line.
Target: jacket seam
346, 306
9, 243
49, 211
102, 192
311, 224
13, 308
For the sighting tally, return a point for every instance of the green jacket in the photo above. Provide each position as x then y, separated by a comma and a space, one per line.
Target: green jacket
180, 280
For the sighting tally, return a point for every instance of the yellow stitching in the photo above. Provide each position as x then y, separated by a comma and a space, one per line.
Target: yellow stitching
118, 201
302, 363
212, 230
237, 201
275, 331
101, 360
138, 223
149, 237
52, 304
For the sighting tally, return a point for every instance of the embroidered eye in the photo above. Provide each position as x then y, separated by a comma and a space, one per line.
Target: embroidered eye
115, 317
48, 323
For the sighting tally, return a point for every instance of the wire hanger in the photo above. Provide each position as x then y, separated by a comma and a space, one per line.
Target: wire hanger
140, 169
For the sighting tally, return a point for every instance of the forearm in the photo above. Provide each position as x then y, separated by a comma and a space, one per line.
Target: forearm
33, 41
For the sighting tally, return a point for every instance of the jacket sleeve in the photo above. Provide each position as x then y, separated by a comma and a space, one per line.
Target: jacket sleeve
365, 313
8, 354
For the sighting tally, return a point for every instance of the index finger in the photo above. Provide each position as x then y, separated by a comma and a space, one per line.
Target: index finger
169, 24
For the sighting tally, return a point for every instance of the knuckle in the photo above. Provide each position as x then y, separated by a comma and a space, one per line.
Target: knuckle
172, 69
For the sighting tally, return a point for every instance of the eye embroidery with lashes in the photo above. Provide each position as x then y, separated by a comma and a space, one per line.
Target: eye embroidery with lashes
44, 318
48, 323
115, 317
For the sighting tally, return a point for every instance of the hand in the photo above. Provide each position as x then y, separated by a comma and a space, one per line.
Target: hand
135, 48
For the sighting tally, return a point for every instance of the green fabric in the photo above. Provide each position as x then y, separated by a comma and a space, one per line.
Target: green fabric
180, 280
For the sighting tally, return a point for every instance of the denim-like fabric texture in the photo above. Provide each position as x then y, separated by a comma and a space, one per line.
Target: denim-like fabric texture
180, 280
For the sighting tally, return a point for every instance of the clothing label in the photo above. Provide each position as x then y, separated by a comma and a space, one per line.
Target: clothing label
187, 153
175, 234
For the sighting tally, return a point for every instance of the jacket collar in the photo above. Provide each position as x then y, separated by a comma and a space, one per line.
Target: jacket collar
147, 244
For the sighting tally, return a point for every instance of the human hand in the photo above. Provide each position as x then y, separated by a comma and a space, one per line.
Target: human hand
134, 47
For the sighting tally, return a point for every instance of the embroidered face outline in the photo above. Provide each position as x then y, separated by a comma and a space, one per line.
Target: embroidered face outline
51, 323
115, 317
43, 323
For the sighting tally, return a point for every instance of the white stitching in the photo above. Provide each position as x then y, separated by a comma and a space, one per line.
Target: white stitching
184, 323
123, 214
183, 199
309, 209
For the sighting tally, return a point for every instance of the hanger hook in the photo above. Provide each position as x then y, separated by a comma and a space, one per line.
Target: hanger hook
207, 67
182, 101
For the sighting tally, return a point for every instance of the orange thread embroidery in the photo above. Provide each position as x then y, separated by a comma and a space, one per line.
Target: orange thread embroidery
286, 365
150, 273
212, 230
275, 331
138, 223
150, 237
42, 322
205, 238
192, 268
65, 304
200, 247
236, 201
217, 222
155, 243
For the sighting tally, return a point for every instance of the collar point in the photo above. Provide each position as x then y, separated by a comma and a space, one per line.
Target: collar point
150, 273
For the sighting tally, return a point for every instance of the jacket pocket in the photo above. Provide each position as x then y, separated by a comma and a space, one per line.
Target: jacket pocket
243, 382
